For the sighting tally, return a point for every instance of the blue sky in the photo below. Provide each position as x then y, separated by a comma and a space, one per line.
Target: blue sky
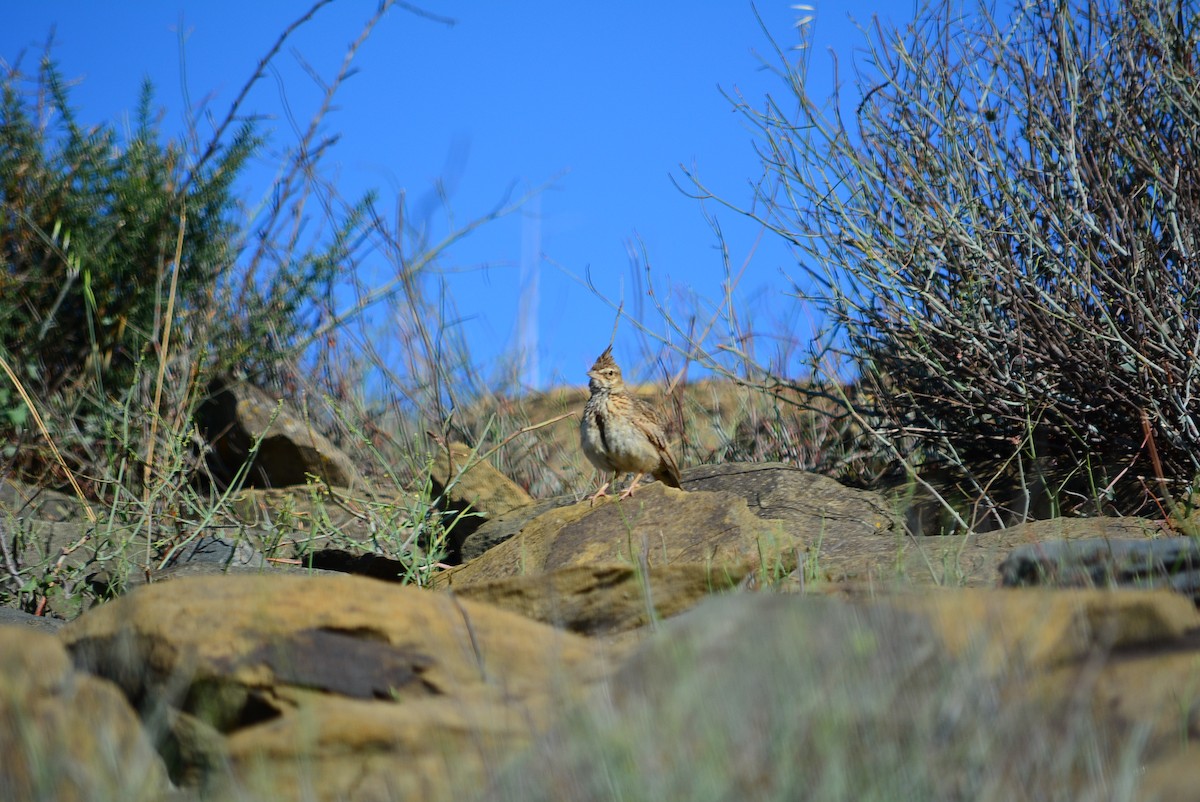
609, 98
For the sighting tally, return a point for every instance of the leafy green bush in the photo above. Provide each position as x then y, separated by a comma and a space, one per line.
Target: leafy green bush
88, 231
117, 248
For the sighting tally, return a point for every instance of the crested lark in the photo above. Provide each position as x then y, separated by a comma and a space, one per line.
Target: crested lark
620, 433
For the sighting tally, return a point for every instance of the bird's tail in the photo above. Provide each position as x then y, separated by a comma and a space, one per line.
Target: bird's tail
668, 474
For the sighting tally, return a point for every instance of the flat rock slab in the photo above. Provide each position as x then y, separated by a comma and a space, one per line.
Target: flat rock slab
656, 526
20, 500
604, 598
786, 493
1172, 562
770, 525
972, 560
18, 618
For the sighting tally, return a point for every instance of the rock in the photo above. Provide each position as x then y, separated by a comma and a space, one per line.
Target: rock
969, 560
1174, 778
1082, 528
496, 529
685, 544
17, 618
38, 545
20, 500
293, 521
785, 493
335, 686
657, 526
201, 554
375, 534
1172, 562
66, 735
466, 479
218, 550
1046, 628
767, 696
470, 491
604, 598
809, 505
236, 414
36, 542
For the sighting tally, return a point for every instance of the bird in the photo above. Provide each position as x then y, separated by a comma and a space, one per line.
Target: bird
621, 433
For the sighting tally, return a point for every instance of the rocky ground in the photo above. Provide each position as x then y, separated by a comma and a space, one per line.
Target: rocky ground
764, 633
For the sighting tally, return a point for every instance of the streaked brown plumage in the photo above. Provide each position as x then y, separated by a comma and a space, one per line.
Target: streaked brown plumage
620, 433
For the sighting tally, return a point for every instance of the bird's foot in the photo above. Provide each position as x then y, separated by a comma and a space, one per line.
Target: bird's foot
598, 494
627, 492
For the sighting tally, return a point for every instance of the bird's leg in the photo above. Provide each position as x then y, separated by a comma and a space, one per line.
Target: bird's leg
600, 492
627, 492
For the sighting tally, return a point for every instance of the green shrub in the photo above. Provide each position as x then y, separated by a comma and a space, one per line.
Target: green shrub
89, 224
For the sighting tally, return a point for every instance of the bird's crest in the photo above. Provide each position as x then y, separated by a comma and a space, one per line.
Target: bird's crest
605, 360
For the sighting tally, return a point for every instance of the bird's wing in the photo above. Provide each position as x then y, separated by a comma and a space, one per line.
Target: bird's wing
650, 424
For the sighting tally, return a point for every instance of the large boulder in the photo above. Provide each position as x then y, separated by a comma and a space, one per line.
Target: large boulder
622, 563
625, 563
67, 735
712, 524
334, 687
767, 696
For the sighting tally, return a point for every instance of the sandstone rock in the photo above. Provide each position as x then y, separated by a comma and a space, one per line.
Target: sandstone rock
767, 521
236, 414
786, 493
801, 515
971, 560
1044, 628
1082, 529
333, 686
295, 520
472, 481
498, 528
65, 735
368, 533
604, 598
657, 526
470, 490
752, 696
1174, 778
